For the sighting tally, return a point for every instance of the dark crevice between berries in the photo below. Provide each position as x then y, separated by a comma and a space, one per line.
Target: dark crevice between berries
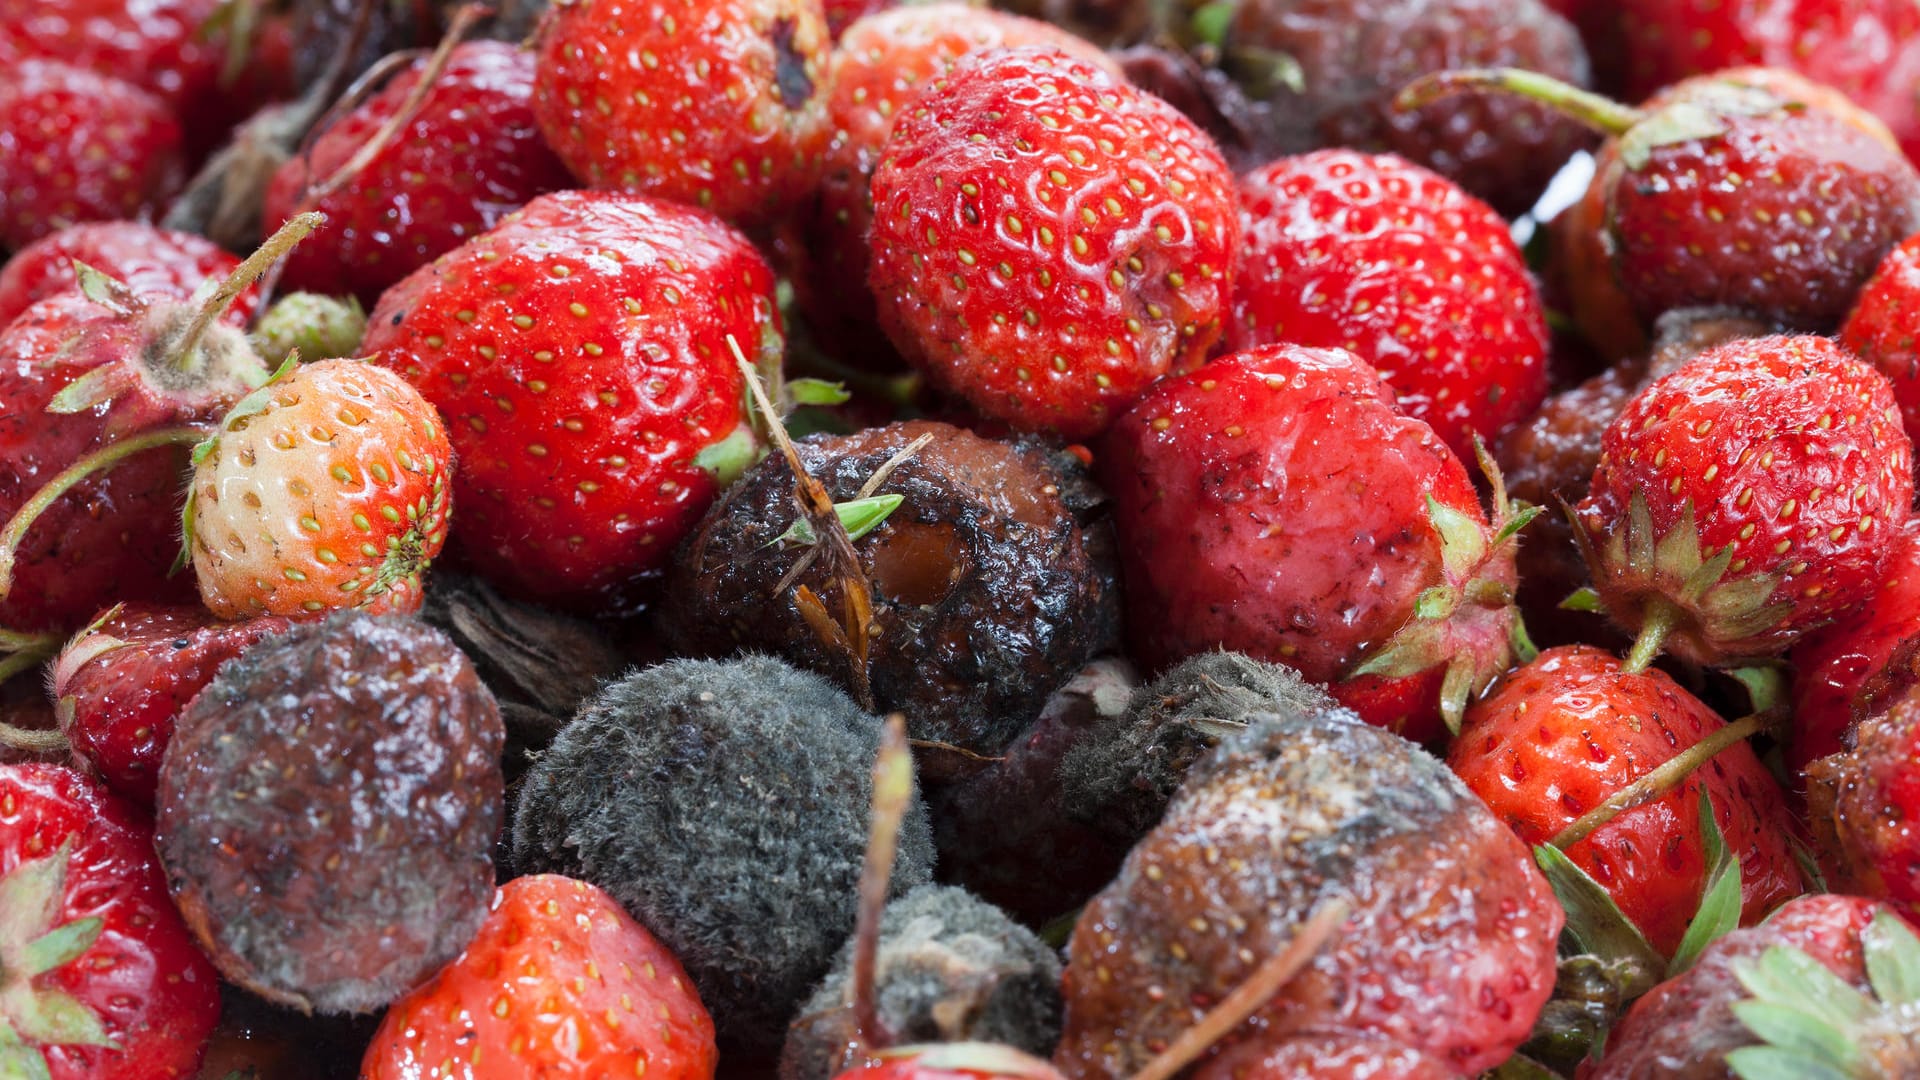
789, 67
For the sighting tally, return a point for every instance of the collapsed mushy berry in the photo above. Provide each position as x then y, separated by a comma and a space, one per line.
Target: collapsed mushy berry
989, 591
327, 810
725, 805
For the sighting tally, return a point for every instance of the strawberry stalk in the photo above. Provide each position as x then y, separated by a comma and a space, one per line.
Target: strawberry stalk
1657, 620
892, 796
1669, 775
1602, 114
282, 241
1247, 998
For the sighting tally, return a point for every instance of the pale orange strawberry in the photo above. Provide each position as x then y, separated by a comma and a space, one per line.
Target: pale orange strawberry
329, 488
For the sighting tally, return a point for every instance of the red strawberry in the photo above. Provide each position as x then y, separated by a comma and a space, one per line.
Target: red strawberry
150, 261
328, 489
1747, 498
1867, 49
881, 64
1395, 263
1328, 1057
1048, 241
1558, 737
101, 980
1363, 560
469, 157
121, 685
1862, 802
953, 1061
1881, 328
719, 103
80, 147
579, 355
1821, 989
167, 47
558, 983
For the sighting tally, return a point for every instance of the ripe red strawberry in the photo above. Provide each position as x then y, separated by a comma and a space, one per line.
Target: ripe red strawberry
1559, 736
167, 47
1362, 560
150, 261
102, 980
720, 103
881, 64
328, 489
1821, 989
1398, 265
579, 355
1867, 49
469, 157
1747, 498
1862, 802
1881, 328
80, 147
122, 684
1048, 241
953, 1061
559, 982
1846, 671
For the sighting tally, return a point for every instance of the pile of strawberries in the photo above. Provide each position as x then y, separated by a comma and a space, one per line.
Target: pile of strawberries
1071, 540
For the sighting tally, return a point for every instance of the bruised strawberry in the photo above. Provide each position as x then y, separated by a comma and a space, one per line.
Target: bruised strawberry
1048, 241
578, 353
81, 147
1363, 560
1746, 498
470, 155
328, 489
121, 685
1862, 802
1845, 671
717, 103
1378, 256
1558, 737
101, 980
149, 260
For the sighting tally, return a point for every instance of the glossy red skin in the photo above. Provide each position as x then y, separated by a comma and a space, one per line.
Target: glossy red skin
1881, 329
471, 156
143, 977
1867, 49
79, 146
1862, 802
1684, 1027
670, 384
559, 983
1326, 1057
1274, 503
112, 537
1561, 735
1371, 253
1050, 303
158, 45
151, 261
119, 706
728, 114
1738, 433
882, 63
1836, 667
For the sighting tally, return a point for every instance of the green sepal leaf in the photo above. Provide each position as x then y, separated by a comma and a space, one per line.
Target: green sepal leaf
60, 946
1789, 1029
1436, 602
1586, 598
1520, 1067
103, 289
1787, 976
1719, 910
1595, 924
1521, 642
17, 1059
31, 895
1209, 24
1413, 650
97, 387
1892, 953
185, 555
57, 1018
1455, 688
858, 516
1772, 1063
817, 392
732, 456
1463, 540
1523, 516
1683, 122
1767, 685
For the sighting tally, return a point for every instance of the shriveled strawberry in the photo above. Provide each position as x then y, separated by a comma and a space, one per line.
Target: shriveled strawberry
149, 260
880, 65
328, 489
1362, 559
1847, 671
558, 983
1866, 49
120, 686
99, 979
1881, 329
80, 147
471, 155
719, 103
954, 1061
1862, 802
1373, 254
579, 355
1048, 241
1559, 736
1746, 498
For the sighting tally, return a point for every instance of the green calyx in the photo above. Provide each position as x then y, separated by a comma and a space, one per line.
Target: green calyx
34, 942
1814, 1025
314, 326
1468, 621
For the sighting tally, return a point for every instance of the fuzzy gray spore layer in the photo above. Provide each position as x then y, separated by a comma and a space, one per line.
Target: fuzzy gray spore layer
726, 806
950, 968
